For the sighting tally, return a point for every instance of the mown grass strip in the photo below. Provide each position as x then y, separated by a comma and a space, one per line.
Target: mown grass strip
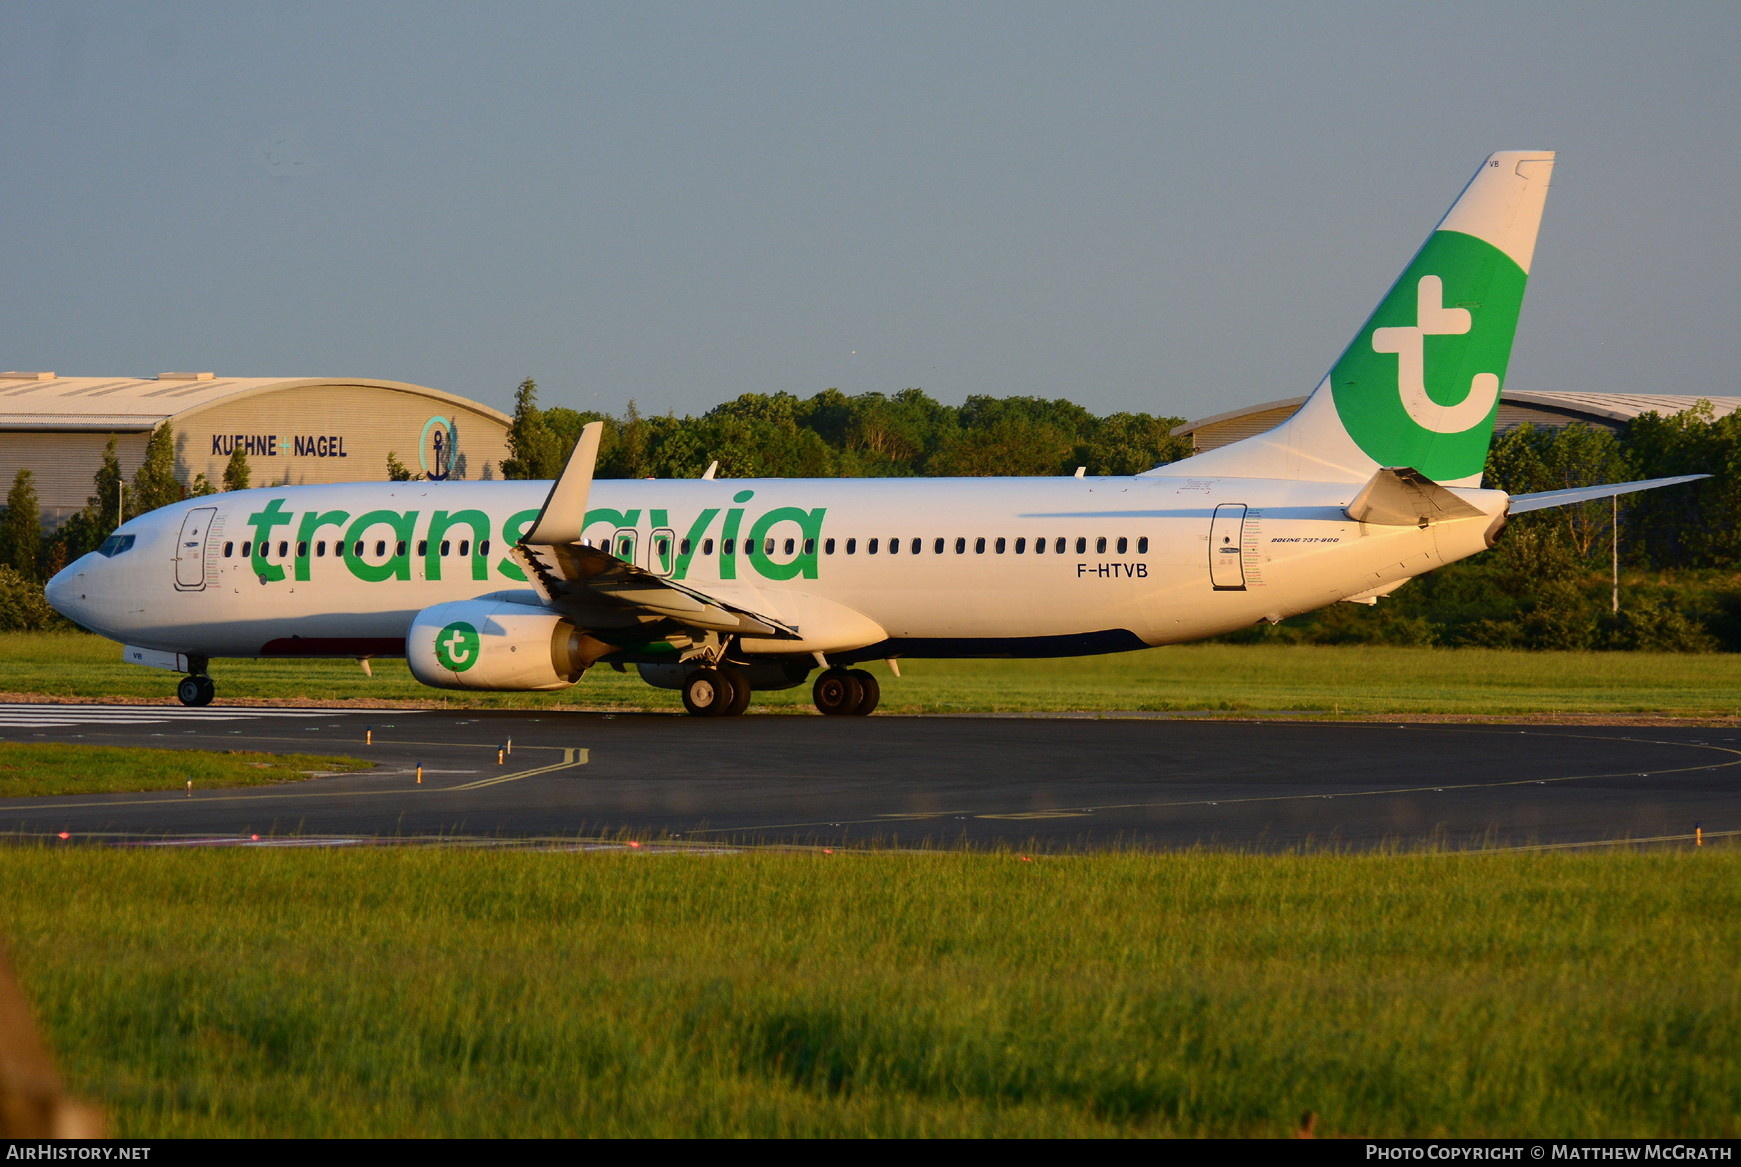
31, 769
1354, 680
486, 994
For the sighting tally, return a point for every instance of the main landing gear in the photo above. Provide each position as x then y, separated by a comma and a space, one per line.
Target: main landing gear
196, 689
723, 691
846, 693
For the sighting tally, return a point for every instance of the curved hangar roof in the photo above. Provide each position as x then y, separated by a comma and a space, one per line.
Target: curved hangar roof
1610, 410
118, 405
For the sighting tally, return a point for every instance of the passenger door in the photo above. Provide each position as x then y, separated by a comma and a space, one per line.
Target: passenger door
1226, 548
190, 549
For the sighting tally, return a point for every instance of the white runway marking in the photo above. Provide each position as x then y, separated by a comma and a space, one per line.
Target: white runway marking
27, 716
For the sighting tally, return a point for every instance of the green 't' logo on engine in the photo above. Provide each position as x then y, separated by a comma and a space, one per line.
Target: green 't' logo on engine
457, 647
1420, 384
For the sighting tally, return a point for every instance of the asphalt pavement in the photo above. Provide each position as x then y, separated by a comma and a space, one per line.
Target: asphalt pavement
1056, 782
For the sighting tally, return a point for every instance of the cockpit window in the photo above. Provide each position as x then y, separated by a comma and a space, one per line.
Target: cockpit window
115, 545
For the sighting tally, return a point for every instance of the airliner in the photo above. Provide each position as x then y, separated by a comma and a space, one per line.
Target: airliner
716, 588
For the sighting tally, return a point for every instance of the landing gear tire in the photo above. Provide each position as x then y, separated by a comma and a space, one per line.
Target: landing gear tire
838, 692
707, 693
869, 693
196, 689
740, 690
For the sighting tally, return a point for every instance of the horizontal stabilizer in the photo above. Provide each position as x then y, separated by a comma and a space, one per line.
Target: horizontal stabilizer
1559, 498
1401, 497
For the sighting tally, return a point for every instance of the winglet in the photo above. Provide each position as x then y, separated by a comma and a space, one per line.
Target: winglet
564, 514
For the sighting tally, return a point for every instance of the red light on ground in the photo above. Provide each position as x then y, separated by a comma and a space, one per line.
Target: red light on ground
64, 835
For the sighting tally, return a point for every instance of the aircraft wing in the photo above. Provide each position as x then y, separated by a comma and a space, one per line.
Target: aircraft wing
1520, 503
601, 590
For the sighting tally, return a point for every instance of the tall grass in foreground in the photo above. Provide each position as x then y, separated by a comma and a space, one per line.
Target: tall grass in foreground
458, 993
1215, 677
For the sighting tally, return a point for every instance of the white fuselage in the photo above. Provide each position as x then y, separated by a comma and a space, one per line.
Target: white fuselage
942, 567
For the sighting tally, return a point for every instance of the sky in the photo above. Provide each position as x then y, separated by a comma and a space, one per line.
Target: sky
1172, 208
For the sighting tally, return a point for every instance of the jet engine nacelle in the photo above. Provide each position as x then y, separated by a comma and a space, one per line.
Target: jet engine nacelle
493, 644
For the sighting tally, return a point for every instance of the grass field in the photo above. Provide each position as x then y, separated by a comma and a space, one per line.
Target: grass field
28, 769
1215, 677
399, 992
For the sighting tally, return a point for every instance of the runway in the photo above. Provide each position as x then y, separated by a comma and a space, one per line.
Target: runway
1053, 782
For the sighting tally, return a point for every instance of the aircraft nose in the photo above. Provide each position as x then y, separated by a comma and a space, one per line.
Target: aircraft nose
62, 592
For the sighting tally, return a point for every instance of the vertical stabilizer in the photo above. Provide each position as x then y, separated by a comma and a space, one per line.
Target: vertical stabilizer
1419, 385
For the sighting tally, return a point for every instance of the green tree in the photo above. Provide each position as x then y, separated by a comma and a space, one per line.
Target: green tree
82, 533
155, 484
237, 474
201, 487
1130, 443
1697, 524
22, 606
397, 471
532, 448
21, 533
1530, 458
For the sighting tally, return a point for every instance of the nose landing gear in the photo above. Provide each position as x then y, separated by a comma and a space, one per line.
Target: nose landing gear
196, 689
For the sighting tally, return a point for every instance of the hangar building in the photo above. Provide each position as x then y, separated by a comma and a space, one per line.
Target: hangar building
293, 431
1608, 410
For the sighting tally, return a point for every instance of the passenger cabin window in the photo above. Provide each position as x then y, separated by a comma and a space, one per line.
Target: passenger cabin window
1039, 546
961, 546
809, 546
422, 547
851, 546
1081, 545
1100, 545
937, 547
465, 547
1021, 546
247, 549
380, 548
284, 549
1123, 543
979, 546
707, 546
302, 549
872, 548
1142, 545
828, 547
228, 549
1000, 545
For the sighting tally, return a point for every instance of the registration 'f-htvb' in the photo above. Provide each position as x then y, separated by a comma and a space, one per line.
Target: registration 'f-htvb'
718, 588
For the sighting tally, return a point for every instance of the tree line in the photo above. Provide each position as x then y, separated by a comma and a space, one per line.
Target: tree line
833, 435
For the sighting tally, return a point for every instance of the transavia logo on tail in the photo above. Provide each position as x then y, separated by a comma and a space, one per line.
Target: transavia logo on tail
1419, 385
456, 646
